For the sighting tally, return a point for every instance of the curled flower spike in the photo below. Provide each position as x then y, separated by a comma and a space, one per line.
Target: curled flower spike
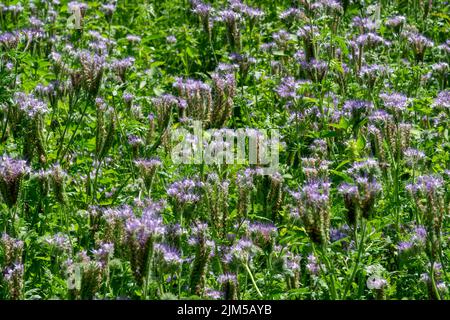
429, 197
313, 204
13, 276
12, 172
229, 285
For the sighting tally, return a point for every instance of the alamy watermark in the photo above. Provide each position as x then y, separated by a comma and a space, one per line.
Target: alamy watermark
247, 146
259, 147
75, 18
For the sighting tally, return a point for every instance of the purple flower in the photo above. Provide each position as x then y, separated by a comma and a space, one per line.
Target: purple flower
11, 169
376, 283
92, 70
213, 294
373, 72
149, 225
419, 44
413, 156
288, 88
281, 37
440, 68
348, 190
368, 187
241, 251
267, 47
404, 246
104, 252
252, 13
229, 16
186, 191
420, 234
371, 40
396, 21
59, 241
291, 14
135, 141
364, 24
331, 5
365, 168
9, 39
337, 234
380, 117
73, 5
313, 204
11, 174
12, 249
31, 106
442, 101
13, 271
394, 101
292, 262
191, 87
427, 184
13, 276
165, 104
148, 164
357, 108
263, 230
133, 38
127, 97
313, 266
442, 287
108, 9
445, 47
35, 23
120, 66
317, 69
202, 9
308, 32
168, 255
199, 234
351, 197
227, 277
171, 39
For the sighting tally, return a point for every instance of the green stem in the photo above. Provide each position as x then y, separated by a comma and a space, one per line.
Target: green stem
332, 276
328, 265
61, 157
358, 258
252, 279
433, 282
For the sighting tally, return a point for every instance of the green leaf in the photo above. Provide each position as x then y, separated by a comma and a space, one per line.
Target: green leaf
191, 53
157, 64
343, 163
342, 175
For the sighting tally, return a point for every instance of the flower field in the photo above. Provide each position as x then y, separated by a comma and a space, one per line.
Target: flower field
134, 150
